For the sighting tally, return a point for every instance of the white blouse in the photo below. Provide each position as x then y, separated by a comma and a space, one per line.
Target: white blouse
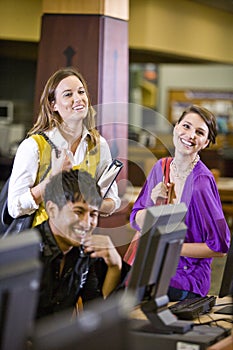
25, 168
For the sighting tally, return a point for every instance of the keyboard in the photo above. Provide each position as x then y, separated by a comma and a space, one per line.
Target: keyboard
188, 309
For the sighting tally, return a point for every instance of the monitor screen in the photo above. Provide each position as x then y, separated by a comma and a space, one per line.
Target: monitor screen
20, 271
226, 287
155, 263
102, 325
6, 111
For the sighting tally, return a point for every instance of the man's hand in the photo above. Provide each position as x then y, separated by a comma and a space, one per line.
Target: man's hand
101, 246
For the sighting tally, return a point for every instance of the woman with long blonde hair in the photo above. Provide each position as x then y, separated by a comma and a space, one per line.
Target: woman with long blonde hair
67, 119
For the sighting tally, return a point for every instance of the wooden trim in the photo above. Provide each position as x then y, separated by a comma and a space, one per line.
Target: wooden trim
118, 9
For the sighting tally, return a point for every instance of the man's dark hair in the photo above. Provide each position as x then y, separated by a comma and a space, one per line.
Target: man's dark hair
74, 185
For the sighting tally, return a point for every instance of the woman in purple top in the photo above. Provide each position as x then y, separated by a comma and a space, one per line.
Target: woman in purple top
207, 235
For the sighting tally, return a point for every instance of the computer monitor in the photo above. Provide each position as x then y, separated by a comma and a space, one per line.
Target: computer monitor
20, 272
10, 137
104, 324
226, 288
155, 263
6, 111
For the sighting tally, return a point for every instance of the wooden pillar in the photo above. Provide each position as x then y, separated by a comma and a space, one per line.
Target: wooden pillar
92, 36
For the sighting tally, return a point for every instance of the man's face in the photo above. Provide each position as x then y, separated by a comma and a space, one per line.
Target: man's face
73, 222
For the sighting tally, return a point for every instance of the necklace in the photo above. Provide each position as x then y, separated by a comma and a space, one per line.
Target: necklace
185, 173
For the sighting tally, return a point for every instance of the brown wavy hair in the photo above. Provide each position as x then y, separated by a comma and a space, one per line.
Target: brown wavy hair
47, 117
208, 117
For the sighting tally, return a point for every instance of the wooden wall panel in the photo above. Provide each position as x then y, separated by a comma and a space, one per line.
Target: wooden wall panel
69, 40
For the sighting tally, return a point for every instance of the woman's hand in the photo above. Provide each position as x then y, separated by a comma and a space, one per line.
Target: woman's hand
57, 164
160, 191
61, 163
107, 207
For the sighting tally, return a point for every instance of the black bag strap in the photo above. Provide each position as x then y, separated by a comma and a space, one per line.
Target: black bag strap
53, 146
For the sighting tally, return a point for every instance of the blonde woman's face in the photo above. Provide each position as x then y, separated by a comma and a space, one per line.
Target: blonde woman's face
191, 134
71, 101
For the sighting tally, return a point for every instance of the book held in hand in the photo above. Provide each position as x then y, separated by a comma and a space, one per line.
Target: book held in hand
109, 175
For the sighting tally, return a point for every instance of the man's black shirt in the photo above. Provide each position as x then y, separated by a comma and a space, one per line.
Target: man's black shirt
80, 276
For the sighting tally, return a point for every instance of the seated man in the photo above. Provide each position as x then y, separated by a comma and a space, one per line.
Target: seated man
76, 264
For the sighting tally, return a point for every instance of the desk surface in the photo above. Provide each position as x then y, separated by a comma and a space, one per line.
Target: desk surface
225, 183
224, 344
225, 188
138, 314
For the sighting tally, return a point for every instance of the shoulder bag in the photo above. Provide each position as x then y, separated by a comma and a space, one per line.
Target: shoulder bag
9, 225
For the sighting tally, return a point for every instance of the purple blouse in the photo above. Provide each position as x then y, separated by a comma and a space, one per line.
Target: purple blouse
204, 219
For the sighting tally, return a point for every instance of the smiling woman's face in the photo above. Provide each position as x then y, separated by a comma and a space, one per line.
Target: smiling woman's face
191, 134
71, 99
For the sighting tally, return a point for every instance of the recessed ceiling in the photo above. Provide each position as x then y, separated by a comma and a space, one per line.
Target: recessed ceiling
144, 56
226, 5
